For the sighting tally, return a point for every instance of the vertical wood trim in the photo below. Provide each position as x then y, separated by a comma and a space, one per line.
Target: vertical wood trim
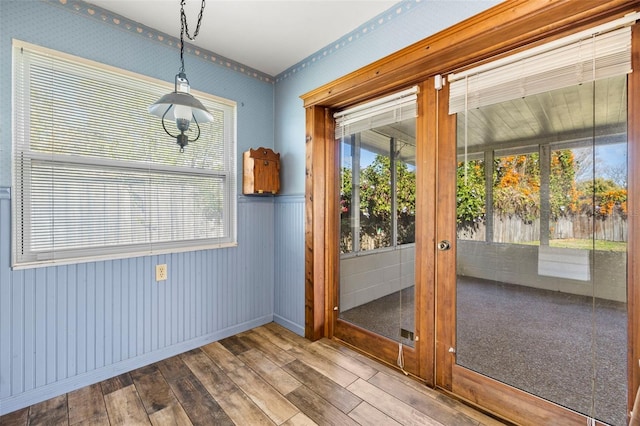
315, 286
426, 150
331, 222
633, 206
446, 230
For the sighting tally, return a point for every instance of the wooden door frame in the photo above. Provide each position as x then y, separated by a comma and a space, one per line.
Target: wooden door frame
506, 28
322, 256
633, 220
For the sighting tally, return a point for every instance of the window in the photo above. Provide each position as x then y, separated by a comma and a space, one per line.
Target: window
94, 174
529, 118
377, 173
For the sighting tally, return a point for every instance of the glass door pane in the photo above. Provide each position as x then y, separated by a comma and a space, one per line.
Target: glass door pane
541, 250
377, 230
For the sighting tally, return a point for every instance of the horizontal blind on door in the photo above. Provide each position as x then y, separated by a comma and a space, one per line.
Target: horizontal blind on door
543, 69
380, 112
95, 174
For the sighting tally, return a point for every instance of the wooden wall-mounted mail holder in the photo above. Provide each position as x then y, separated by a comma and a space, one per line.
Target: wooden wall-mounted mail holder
261, 172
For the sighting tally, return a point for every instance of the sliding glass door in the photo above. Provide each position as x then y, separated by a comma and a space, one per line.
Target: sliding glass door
541, 221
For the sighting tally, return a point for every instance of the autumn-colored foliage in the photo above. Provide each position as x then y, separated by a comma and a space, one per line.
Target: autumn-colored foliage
602, 198
517, 184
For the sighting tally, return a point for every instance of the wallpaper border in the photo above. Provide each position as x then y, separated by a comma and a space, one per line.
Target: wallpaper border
125, 24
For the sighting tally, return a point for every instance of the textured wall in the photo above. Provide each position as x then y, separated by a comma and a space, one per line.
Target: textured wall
289, 262
69, 326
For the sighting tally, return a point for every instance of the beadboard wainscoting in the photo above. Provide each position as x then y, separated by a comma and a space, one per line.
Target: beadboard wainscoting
65, 327
289, 263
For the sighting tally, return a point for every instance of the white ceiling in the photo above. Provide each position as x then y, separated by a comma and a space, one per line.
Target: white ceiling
267, 35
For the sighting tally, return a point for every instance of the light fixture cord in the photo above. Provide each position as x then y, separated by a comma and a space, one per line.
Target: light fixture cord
184, 29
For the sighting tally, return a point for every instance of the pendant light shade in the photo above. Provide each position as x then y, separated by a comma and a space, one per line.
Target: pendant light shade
180, 106
171, 104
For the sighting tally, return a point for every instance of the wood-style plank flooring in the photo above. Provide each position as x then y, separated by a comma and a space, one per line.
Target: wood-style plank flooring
264, 376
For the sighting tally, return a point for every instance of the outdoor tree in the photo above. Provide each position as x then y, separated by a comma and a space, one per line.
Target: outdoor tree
375, 209
376, 197
471, 200
517, 186
346, 234
602, 198
563, 193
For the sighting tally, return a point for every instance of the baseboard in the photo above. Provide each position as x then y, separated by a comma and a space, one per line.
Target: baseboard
289, 324
52, 390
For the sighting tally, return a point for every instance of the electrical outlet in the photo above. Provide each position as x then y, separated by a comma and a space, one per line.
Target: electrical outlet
161, 272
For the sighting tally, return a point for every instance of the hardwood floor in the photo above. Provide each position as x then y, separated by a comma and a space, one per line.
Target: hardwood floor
264, 376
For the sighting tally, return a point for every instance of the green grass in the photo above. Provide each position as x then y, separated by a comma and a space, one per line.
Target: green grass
585, 244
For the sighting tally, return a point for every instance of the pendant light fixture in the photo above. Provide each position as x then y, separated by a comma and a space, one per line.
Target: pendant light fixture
180, 106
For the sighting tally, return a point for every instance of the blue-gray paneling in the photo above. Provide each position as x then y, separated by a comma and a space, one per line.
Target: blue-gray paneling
289, 263
62, 327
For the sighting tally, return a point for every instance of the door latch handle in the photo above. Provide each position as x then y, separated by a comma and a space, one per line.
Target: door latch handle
444, 245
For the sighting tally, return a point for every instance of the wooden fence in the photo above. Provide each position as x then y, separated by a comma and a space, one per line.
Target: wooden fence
514, 229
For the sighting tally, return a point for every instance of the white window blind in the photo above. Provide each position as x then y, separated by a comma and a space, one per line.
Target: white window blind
591, 55
96, 176
380, 112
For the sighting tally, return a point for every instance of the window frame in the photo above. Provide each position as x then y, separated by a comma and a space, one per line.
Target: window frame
23, 253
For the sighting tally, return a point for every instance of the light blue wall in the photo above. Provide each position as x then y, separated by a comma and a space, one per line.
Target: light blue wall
69, 326
78, 32
406, 23
65, 327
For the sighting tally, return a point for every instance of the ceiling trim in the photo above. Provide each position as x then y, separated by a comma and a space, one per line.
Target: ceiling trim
134, 28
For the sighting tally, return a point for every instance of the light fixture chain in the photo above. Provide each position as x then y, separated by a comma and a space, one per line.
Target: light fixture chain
184, 29
180, 106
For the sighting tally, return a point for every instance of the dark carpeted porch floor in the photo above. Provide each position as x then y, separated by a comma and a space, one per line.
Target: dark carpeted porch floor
544, 342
